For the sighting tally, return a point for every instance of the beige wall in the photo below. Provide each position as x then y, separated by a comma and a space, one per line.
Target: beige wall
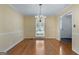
51, 25
51, 28
75, 31
29, 27
11, 27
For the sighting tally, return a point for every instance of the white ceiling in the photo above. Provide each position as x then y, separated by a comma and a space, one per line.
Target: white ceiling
33, 9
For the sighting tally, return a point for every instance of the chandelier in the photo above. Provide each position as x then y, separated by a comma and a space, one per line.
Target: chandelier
40, 13
40, 23
40, 16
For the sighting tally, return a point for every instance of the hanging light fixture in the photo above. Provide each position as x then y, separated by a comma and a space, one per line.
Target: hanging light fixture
40, 15
40, 22
40, 12
40, 8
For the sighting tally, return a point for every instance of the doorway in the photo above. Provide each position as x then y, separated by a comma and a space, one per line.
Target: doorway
66, 28
40, 27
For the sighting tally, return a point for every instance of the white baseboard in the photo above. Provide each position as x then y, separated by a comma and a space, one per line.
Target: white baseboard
53, 38
28, 37
75, 51
50, 37
36, 37
14, 35
12, 45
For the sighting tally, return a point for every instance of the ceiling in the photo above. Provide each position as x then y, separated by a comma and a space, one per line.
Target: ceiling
33, 9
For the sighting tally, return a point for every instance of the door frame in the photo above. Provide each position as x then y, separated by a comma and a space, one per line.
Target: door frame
59, 25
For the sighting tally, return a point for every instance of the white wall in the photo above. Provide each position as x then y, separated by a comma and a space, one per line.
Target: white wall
66, 30
75, 34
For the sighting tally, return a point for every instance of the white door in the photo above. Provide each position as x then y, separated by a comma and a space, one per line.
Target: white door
66, 29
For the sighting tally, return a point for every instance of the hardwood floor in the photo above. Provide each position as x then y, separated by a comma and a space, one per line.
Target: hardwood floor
42, 47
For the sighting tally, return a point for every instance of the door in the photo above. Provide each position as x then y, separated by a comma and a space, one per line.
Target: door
66, 26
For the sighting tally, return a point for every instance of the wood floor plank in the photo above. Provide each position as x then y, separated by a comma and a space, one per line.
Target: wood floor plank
42, 47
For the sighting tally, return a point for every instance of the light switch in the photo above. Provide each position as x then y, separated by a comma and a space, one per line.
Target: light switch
74, 25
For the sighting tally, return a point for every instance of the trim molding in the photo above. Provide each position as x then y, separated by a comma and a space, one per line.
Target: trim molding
13, 45
6, 33
75, 51
43, 38
9, 33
